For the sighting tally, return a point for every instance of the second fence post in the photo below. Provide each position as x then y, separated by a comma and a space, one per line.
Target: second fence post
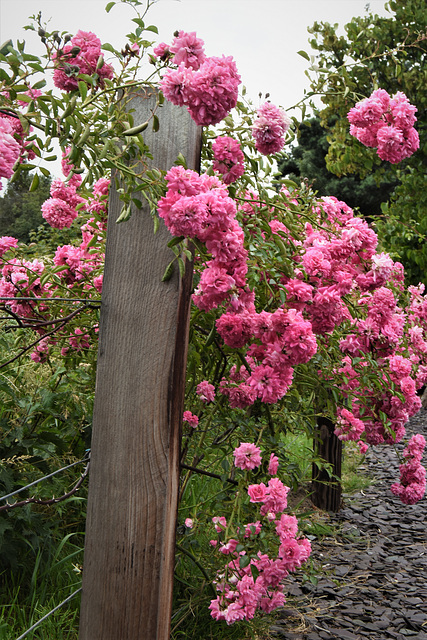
133, 487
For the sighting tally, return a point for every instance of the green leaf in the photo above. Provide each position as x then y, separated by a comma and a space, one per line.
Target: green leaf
244, 561
43, 107
108, 47
4, 48
254, 571
156, 123
175, 241
109, 6
125, 214
180, 160
152, 28
83, 89
181, 266
35, 182
304, 54
168, 272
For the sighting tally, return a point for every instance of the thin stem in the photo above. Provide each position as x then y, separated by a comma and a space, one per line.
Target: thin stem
199, 566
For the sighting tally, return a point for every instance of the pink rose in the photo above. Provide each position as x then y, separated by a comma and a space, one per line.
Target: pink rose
257, 492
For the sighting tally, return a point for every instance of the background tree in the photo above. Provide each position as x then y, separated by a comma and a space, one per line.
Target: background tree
389, 53
307, 160
20, 208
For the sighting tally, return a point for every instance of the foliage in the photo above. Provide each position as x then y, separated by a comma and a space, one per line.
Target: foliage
52, 579
389, 53
296, 314
20, 208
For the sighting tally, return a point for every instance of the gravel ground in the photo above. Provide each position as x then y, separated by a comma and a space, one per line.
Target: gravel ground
373, 576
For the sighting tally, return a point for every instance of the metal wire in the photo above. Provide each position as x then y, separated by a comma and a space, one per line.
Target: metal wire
36, 624
73, 464
34, 299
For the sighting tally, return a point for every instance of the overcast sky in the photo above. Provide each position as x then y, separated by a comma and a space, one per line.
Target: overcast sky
263, 36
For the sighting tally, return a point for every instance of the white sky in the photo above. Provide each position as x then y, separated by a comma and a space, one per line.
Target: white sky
263, 36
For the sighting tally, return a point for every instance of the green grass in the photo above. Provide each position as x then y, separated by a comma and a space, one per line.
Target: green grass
354, 478
52, 580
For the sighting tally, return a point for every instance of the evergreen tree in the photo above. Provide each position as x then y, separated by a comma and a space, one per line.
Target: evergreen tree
20, 208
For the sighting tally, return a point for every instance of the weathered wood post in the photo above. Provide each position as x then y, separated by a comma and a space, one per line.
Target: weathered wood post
133, 488
327, 491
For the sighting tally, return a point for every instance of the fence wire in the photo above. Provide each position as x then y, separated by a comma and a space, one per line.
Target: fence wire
73, 464
36, 624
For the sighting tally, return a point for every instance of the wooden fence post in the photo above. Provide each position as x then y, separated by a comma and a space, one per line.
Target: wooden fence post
327, 491
143, 339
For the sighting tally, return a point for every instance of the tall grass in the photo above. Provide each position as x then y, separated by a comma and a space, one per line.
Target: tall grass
53, 578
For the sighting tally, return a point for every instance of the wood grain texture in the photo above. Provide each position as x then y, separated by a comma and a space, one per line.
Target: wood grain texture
133, 487
327, 491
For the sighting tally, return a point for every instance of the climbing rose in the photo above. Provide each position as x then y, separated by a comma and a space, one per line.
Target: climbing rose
6, 243
386, 123
10, 150
269, 129
58, 213
213, 90
273, 465
228, 158
247, 456
192, 420
206, 391
208, 93
188, 49
257, 492
80, 55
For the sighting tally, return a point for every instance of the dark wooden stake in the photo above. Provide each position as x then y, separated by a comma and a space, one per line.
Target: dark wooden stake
326, 490
133, 488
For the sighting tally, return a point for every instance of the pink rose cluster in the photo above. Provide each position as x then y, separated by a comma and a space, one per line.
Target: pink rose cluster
199, 206
255, 582
335, 262
386, 123
78, 266
412, 485
207, 86
82, 55
228, 159
21, 278
247, 456
192, 419
10, 150
382, 334
206, 391
348, 426
281, 340
269, 129
6, 243
13, 145
331, 260
60, 210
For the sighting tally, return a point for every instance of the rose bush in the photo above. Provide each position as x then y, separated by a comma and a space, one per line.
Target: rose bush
295, 313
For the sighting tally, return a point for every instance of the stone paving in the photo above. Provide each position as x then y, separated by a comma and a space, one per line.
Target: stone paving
373, 576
